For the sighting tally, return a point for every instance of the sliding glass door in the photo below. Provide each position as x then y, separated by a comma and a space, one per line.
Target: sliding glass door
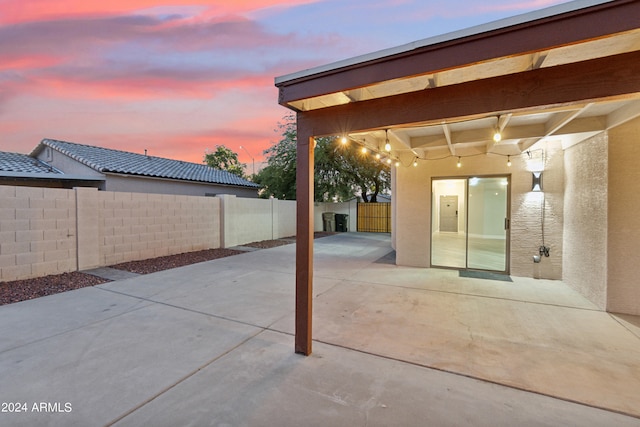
470, 223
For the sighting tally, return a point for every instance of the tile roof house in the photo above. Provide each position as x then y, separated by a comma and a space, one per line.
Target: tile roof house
115, 170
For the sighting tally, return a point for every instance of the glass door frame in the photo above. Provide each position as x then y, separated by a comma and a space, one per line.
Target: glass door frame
507, 220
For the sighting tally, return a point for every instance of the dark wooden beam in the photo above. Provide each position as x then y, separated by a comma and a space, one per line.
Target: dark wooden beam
304, 241
543, 34
596, 79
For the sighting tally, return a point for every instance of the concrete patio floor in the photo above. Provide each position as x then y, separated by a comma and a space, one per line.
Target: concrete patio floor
212, 344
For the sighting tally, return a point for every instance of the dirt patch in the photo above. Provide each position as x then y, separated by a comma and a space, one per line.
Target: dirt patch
21, 290
153, 265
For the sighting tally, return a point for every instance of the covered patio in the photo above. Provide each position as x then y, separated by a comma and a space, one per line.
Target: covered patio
553, 93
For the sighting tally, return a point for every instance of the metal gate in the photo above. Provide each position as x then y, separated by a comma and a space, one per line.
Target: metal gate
374, 217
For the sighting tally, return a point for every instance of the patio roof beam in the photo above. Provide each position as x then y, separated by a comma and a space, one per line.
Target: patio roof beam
608, 77
447, 135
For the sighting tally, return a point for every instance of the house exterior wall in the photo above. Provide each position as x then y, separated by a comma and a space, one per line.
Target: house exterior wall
623, 231
65, 163
133, 184
413, 207
585, 219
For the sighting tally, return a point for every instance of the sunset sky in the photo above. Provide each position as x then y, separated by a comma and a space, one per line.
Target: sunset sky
180, 77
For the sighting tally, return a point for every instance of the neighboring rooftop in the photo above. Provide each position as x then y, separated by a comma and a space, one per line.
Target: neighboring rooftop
22, 163
107, 160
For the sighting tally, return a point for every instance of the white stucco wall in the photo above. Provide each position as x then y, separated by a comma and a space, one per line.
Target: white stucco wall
413, 207
623, 289
585, 219
250, 220
133, 184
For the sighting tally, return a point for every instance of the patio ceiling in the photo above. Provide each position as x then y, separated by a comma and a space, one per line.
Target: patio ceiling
519, 131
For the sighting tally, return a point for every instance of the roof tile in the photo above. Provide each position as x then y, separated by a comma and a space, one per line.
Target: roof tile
16, 162
124, 162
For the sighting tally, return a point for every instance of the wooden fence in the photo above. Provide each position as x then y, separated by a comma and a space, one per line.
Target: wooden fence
374, 217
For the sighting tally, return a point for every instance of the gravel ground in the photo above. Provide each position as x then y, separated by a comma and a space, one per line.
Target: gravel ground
21, 290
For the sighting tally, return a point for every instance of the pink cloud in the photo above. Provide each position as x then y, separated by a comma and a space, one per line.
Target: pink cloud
15, 11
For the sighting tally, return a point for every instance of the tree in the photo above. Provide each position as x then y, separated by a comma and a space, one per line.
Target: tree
224, 159
341, 171
278, 178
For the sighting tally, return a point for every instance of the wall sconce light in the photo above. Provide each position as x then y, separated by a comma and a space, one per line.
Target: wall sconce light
536, 183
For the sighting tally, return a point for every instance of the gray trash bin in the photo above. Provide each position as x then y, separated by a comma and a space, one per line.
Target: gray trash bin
342, 223
329, 221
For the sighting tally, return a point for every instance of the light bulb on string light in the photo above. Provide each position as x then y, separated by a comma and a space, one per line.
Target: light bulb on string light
343, 140
387, 145
364, 150
459, 162
509, 161
497, 136
378, 156
397, 164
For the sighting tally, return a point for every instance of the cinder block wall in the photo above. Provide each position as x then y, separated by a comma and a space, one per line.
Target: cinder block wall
135, 226
47, 231
37, 232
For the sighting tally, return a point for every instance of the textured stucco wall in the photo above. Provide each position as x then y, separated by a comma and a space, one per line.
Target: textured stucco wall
66, 164
413, 207
585, 219
623, 286
128, 183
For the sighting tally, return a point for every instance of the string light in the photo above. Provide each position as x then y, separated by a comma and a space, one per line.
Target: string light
395, 160
497, 136
387, 146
